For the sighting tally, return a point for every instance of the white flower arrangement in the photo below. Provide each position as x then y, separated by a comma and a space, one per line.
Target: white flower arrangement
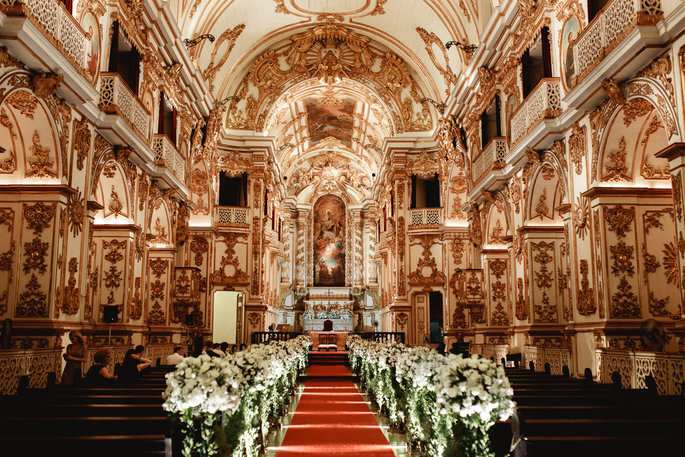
471, 394
243, 392
476, 389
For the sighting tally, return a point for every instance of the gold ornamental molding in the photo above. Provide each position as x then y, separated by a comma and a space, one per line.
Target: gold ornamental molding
315, 9
331, 54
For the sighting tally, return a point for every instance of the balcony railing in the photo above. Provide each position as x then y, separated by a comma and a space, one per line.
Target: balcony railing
608, 29
117, 98
53, 20
425, 216
168, 156
556, 358
543, 102
667, 369
230, 215
492, 157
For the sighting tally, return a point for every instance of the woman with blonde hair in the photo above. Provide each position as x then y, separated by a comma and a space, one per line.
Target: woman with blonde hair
75, 357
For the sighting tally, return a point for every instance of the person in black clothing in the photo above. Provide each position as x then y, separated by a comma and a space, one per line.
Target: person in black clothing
209, 349
197, 346
134, 363
98, 374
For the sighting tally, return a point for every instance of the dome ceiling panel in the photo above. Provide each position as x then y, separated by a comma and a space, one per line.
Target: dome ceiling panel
329, 80
390, 23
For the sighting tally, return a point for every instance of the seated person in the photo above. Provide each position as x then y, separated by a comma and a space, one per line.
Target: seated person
176, 357
242, 346
134, 363
209, 349
98, 374
217, 350
224, 348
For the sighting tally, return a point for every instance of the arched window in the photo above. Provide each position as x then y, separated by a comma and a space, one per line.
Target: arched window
594, 7
124, 58
536, 62
167, 119
425, 191
490, 122
232, 190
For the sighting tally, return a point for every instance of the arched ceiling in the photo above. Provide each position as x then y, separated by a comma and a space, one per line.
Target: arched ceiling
329, 76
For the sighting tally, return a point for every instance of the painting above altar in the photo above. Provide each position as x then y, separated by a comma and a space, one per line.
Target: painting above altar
329, 241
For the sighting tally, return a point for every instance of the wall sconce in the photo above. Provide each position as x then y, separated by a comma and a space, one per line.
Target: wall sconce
283, 146
226, 100
467, 48
195, 41
439, 106
374, 147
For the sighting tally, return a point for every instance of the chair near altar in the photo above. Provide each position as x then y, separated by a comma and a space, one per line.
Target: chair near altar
328, 341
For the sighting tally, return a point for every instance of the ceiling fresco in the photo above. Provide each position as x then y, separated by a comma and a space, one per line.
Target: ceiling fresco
330, 119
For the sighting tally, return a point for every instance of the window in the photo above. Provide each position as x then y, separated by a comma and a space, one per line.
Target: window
594, 7
167, 119
536, 62
425, 192
69, 5
232, 190
490, 122
435, 303
124, 58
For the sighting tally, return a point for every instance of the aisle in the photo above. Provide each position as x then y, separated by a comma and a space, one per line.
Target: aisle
332, 418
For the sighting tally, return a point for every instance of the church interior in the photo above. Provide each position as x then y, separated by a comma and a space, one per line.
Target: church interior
502, 177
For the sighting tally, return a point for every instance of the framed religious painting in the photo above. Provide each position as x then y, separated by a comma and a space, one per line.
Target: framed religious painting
92, 28
569, 33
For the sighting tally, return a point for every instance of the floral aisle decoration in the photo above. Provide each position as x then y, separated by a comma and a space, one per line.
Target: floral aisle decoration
224, 406
474, 393
471, 394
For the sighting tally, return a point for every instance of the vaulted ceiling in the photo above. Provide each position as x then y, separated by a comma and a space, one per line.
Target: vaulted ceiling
330, 76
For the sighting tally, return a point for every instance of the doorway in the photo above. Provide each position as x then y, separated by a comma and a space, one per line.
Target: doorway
226, 316
435, 304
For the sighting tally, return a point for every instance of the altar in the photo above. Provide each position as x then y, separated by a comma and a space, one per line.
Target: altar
339, 325
328, 303
340, 340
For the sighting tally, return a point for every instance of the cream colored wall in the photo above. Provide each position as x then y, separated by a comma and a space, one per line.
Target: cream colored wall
225, 316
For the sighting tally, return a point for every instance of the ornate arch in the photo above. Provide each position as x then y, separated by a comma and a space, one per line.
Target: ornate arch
160, 229
624, 153
329, 53
113, 191
545, 188
27, 104
497, 220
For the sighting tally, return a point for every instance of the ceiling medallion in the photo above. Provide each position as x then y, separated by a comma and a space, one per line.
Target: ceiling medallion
331, 8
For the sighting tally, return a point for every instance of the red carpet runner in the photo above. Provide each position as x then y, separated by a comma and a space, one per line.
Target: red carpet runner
332, 419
